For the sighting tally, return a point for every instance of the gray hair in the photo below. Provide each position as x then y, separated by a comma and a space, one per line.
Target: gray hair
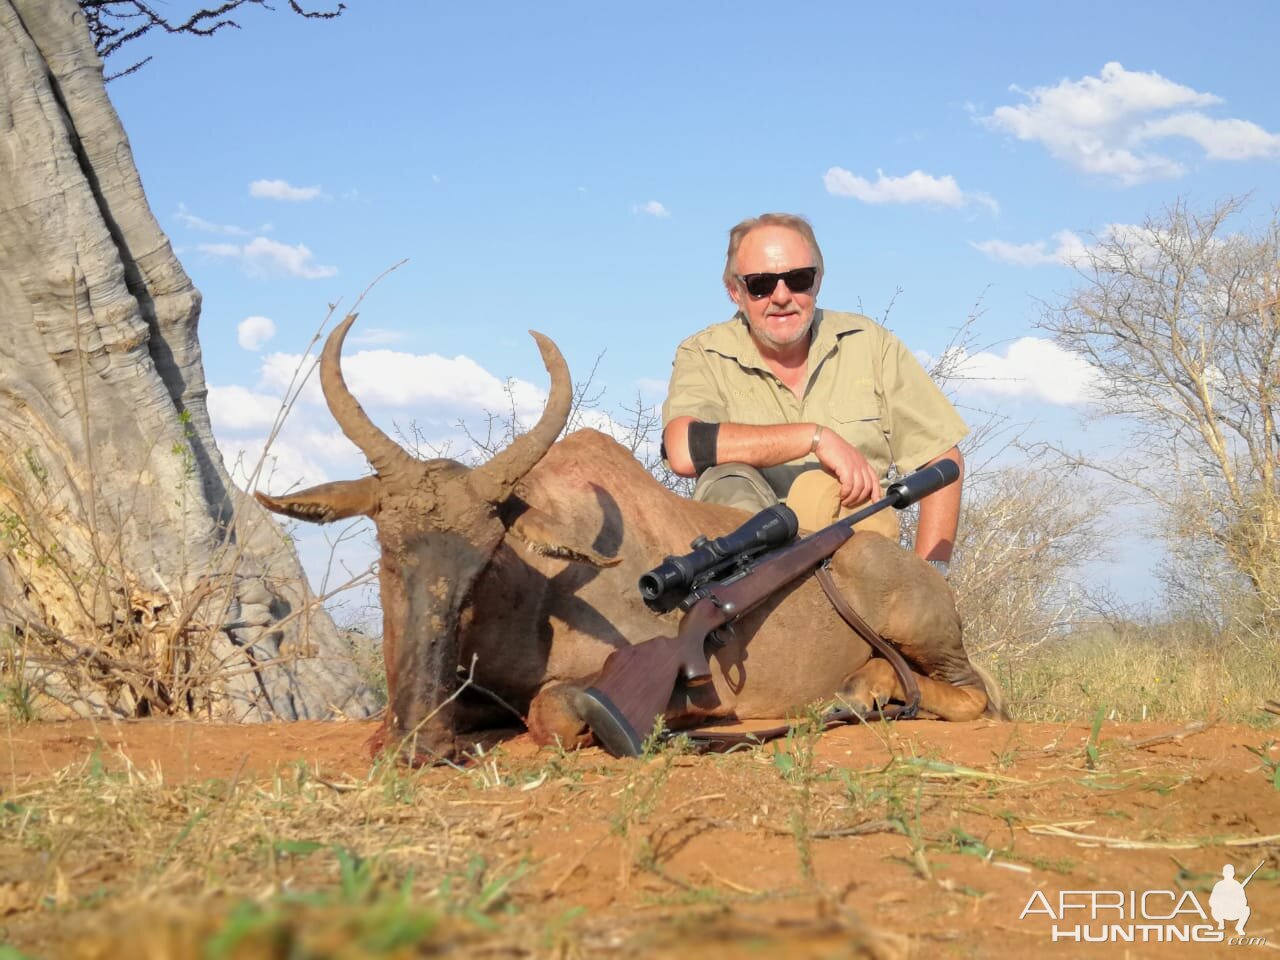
791, 221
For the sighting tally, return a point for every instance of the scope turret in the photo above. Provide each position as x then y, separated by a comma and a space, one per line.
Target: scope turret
667, 584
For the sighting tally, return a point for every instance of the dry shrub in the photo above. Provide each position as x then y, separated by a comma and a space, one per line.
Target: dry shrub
1028, 530
1026, 535
1177, 669
84, 637
87, 629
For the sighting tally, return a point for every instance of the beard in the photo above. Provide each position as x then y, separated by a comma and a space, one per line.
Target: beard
776, 331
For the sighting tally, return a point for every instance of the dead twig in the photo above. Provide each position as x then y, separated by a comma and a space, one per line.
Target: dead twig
1173, 736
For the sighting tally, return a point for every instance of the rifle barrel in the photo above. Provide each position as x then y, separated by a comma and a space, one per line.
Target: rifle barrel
1255, 870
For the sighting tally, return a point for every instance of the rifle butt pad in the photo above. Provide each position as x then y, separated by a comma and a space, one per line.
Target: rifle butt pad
611, 729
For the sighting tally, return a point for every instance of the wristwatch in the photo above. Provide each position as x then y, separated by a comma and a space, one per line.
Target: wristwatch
942, 566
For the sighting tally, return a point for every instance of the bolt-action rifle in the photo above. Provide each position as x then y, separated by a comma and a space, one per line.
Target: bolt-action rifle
715, 584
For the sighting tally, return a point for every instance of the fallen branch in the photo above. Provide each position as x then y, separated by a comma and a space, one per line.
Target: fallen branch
1125, 843
1190, 730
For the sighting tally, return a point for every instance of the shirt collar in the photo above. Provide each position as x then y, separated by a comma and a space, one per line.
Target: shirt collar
733, 339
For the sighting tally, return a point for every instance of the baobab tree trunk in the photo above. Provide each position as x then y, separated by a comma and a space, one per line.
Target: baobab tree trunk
134, 577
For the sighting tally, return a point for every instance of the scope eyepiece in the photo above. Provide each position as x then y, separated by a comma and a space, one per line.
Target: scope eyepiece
663, 587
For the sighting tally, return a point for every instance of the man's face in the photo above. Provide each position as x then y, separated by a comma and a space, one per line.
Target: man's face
783, 318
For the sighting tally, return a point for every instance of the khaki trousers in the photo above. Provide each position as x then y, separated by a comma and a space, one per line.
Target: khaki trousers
814, 496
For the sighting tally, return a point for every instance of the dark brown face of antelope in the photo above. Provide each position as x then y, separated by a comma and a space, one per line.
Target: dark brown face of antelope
436, 540
438, 526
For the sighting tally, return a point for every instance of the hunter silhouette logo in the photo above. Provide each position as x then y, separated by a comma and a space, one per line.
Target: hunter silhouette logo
1229, 901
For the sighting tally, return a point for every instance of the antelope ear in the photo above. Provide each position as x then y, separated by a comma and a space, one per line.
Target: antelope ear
327, 502
546, 534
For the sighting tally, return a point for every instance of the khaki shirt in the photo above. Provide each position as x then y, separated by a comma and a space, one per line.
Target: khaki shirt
863, 383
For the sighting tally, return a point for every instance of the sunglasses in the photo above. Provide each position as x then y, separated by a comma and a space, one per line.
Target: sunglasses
761, 285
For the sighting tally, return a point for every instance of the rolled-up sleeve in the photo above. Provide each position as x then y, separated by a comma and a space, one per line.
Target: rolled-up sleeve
694, 391
921, 423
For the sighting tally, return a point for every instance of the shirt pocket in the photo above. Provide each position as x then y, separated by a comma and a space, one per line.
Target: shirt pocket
856, 404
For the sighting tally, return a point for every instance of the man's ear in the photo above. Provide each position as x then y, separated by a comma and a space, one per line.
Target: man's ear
731, 288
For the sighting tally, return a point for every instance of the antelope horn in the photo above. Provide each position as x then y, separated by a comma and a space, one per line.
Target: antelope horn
383, 453
493, 481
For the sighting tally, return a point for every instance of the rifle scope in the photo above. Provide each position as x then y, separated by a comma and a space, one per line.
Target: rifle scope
667, 584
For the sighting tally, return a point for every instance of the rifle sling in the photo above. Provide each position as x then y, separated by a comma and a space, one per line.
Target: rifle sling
714, 742
907, 679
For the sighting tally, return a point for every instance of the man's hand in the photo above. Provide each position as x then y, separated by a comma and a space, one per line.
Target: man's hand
858, 482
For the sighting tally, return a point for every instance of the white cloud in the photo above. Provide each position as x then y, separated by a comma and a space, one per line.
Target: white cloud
301, 457
253, 332
916, 187
412, 382
1142, 244
431, 391
1032, 368
191, 221
233, 409
283, 190
1067, 248
264, 257
220, 249
1102, 124
375, 337
1220, 139
653, 208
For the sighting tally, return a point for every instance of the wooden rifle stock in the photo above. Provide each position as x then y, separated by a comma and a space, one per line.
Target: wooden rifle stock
637, 681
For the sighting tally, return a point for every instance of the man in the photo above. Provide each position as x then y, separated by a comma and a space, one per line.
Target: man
784, 390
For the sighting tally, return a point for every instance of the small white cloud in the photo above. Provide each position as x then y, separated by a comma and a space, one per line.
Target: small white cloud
1067, 248
1033, 368
915, 187
234, 408
220, 249
375, 337
1105, 124
191, 221
264, 257
653, 209
283, 190
253, 332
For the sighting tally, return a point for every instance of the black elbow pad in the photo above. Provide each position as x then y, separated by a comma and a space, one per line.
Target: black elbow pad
702, 445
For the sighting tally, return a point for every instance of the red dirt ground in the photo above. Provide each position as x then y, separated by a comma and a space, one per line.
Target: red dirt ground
992, 814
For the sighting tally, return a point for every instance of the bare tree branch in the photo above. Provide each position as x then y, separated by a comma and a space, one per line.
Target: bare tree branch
115, 23
1181, 320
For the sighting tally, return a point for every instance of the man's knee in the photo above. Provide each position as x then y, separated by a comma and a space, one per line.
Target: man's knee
735, 485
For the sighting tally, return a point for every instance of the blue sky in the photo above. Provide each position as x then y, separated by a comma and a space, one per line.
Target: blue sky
574, 168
